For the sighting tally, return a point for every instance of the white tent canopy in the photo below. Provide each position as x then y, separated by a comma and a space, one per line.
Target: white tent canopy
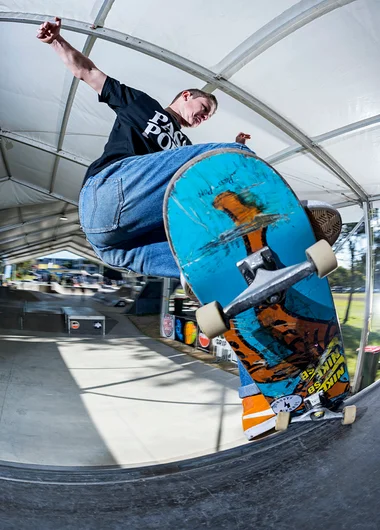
301, 77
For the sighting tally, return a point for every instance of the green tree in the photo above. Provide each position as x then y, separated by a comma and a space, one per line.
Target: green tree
339, 278
376, 246
24, 267
356, 253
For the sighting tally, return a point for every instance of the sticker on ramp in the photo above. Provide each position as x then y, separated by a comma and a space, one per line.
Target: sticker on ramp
190, 333
204, 341
75, 324
286, 403
167, 326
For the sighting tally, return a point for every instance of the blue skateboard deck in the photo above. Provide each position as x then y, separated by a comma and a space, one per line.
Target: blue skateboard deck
221, 207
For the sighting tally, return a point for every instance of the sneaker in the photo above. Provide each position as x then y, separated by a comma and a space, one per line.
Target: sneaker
188, 290
258, 416
325, 220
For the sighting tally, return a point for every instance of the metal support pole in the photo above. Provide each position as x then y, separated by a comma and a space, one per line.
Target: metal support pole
165, 299
166, 290
368, 298
353, 232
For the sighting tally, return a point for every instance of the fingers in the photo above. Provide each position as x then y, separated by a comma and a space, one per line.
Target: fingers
244, 135
42, 34
44, 29
49, 30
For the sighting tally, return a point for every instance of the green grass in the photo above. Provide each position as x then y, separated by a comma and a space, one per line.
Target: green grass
353, 328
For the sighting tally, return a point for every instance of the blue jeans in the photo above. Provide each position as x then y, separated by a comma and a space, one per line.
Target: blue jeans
121, 210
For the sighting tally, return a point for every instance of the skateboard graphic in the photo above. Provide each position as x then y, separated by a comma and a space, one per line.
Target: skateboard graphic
246, 247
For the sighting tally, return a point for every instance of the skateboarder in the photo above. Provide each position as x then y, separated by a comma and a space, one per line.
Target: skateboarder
120, 204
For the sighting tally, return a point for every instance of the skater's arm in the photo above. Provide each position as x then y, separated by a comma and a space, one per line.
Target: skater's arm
80, 65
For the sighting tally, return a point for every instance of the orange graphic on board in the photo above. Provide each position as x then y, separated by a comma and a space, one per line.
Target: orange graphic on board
305, 339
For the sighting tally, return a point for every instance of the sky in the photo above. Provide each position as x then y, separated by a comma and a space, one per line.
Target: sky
63, 254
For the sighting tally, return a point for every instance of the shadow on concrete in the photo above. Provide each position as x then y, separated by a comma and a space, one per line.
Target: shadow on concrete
42, 413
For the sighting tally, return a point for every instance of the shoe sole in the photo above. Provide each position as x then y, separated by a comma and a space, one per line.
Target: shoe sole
326, 224
260, 428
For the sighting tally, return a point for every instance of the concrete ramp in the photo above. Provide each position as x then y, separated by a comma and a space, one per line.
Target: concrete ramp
116, 298
79, 290
149, 299
315, 476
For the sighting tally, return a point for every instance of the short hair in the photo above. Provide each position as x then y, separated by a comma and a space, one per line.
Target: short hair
197, 93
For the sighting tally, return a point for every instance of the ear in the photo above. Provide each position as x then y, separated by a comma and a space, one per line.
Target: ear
186, 95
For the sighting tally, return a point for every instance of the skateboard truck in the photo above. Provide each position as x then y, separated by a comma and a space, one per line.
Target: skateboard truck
252, 263
264, 285
316, 410
249, 265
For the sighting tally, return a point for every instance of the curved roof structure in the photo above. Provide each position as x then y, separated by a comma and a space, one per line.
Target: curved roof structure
301, 77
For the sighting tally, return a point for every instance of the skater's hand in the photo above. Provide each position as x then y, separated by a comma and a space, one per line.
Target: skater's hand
242, 137
49, 31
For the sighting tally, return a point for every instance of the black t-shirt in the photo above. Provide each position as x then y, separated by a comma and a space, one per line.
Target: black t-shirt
142, 126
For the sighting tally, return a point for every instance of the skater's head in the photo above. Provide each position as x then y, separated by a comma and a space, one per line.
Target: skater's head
193, 106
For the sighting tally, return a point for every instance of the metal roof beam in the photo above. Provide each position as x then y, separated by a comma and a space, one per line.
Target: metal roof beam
48, 149
35, 251
348, 129
5, 160
206, 75
66, 243
17, 248
21, 220
36, 220
50, 248
27, 254
315, 150
25, 248
346, 204
89, 255
63, 214
103, 13
339, 246
27, 257
336, 133
25, 251
55, 247
116, 37
33, 233
288, 22
43, 147
44, 191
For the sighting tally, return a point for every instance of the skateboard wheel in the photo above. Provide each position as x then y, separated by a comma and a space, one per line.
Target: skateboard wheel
322, 256
349, 415
282, 421
211, 320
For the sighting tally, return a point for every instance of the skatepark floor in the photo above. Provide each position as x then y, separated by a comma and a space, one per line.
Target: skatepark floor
81, 419
123, 400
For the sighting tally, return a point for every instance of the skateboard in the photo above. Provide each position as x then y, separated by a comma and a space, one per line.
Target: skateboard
246, 247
